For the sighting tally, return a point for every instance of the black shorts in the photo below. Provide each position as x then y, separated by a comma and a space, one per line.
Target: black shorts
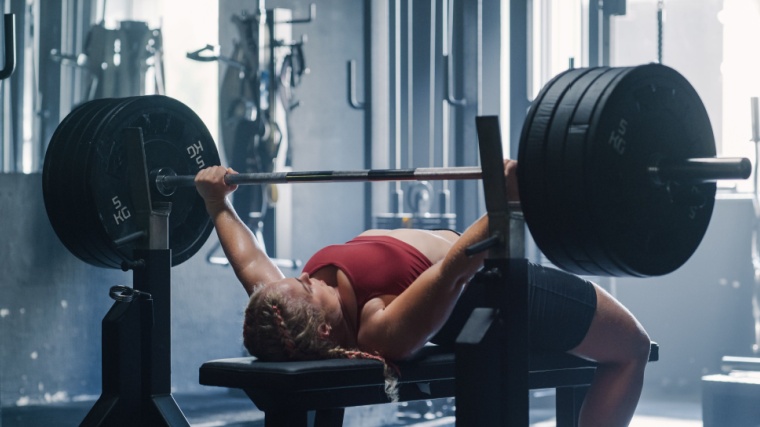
562, 306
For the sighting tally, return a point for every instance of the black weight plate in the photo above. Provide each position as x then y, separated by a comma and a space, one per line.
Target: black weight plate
535, 174
53, 195
595, 259
61, 201
90, 222
73, 179
85, 164
78, 149
91, 219
665, 118
626, 224
174, 137
567, 166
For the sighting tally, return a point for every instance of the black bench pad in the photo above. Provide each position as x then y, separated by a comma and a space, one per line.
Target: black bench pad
333, 383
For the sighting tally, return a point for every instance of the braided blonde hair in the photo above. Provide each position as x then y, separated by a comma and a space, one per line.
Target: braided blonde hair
280, 327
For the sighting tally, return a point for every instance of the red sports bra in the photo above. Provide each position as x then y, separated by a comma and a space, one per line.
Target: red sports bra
375, 265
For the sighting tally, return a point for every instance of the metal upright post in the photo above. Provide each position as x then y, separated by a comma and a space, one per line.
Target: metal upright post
518, 71
600, 13
153, 277
367, 107
492, 351
137, 332
122, 365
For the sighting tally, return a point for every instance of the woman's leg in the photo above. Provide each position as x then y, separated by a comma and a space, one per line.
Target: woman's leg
619, 344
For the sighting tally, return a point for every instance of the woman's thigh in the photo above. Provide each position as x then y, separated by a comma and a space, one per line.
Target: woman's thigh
561, 310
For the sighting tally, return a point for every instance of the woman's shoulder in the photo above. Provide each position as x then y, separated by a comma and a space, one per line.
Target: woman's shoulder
432, 243
401, 233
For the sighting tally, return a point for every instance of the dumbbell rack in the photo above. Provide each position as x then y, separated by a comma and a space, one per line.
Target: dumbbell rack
492, 350
136, 341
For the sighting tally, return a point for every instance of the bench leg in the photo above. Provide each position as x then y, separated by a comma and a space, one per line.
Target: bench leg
285, 419
329, 417
568, 405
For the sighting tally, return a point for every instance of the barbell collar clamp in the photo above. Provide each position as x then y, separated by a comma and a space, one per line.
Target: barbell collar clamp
159, 175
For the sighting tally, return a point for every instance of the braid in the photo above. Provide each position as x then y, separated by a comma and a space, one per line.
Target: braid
278, 327
287, 340
390, 371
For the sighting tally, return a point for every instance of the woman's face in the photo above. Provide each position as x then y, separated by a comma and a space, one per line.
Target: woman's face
319, 293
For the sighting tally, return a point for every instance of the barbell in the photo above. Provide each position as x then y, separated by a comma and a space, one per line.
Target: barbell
681, 170
616, 176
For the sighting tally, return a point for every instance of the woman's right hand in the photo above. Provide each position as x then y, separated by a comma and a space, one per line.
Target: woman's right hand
211, 186
510, 176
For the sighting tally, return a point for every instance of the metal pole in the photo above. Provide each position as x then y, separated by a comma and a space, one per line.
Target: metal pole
667, 170
415, 174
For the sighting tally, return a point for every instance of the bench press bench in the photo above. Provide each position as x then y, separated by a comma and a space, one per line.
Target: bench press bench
287, 391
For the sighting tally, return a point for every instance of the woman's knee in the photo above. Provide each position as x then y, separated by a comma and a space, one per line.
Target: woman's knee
640, 346
615, 335
634, 342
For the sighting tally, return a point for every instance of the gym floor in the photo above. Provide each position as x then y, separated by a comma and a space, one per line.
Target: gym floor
233, 409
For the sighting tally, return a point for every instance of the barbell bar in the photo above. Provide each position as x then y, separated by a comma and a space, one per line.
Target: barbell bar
661, 172
166, 180
699, 170
617, 173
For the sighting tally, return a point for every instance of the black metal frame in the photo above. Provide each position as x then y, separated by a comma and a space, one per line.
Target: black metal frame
136, 341
136, 353
494, 344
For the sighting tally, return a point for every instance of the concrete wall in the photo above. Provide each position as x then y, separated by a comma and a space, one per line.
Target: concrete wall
325, 132
52, 304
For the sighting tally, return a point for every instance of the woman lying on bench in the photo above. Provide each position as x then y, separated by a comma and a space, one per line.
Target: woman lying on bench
386, 293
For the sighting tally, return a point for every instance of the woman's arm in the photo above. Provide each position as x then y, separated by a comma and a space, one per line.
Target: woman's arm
246, 255
397, 327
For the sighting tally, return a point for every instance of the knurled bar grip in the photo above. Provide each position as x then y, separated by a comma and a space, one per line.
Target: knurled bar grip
416, 174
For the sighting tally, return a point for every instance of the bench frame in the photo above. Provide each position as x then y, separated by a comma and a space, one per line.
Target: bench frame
287, 391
